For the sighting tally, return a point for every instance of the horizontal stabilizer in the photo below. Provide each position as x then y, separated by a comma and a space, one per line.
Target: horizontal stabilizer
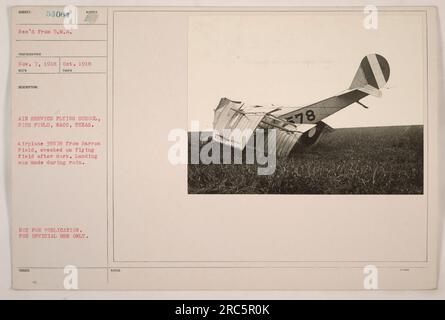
371, 91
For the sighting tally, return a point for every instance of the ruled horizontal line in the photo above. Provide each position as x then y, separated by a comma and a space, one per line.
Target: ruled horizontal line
60, 24
60, 72
231, 267
61, 56
57, 40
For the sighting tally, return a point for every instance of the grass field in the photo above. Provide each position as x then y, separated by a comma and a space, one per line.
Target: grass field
381, 160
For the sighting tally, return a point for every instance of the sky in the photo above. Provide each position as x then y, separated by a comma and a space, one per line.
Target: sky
294, 59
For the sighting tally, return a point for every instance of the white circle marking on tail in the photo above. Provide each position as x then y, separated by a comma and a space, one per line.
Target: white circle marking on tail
376, 70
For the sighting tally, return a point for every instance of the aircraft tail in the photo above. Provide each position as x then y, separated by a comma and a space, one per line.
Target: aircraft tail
372, 75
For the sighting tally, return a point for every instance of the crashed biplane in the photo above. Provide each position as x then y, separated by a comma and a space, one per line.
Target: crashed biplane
302, 125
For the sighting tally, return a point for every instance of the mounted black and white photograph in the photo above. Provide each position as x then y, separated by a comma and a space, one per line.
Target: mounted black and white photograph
306, 104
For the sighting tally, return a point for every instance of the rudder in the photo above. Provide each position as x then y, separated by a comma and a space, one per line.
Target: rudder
372, 74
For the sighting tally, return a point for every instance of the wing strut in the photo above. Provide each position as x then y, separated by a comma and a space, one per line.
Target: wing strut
362, 105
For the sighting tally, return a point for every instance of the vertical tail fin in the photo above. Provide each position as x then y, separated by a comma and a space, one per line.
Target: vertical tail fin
372, 75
